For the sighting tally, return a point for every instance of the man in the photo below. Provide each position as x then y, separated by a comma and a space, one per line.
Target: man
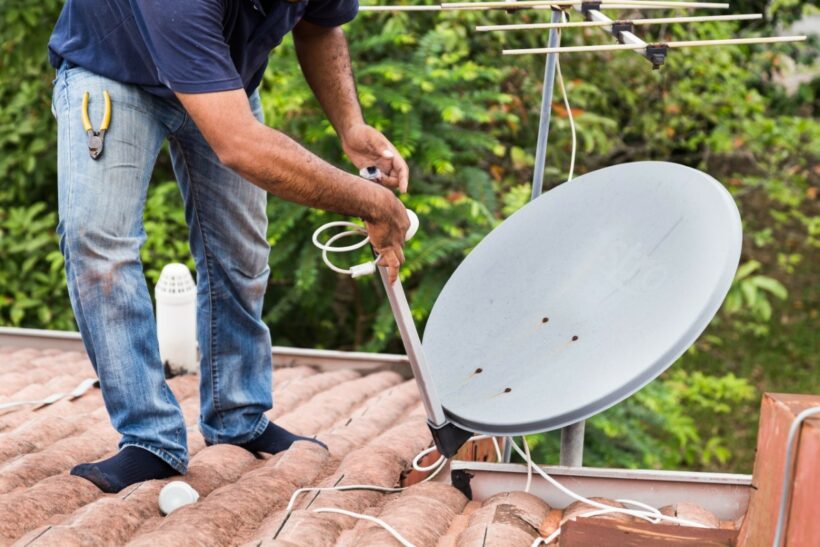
187, 71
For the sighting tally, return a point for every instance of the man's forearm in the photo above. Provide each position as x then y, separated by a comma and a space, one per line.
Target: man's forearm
276, 163
325, 61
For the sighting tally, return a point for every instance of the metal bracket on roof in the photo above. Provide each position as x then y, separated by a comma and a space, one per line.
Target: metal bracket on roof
656, 53
460, 480
619, 27
449, 438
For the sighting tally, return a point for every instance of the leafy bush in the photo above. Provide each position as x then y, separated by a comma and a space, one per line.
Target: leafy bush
668, 424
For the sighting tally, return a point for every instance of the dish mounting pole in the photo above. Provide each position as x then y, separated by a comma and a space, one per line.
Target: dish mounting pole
447, 436
572, 436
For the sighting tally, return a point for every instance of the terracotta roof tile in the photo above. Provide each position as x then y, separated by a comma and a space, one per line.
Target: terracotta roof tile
574, 510
373, 424
692, 512
422, 514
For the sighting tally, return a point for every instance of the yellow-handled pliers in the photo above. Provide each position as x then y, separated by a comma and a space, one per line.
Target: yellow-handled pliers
95, 138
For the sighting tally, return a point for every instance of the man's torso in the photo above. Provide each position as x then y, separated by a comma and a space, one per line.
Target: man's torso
190, 46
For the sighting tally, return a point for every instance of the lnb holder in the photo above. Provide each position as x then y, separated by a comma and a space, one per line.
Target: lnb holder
449, 438
656, 53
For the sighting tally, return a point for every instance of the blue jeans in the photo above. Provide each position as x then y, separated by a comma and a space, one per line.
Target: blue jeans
101, 232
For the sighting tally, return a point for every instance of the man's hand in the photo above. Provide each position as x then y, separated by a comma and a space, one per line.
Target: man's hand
387, 233
366, 147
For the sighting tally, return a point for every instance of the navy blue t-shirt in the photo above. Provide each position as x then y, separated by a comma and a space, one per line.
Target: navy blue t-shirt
190, 46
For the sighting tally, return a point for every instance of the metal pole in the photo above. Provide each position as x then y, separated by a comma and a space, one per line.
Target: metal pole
506, 456
415, 353
572, 445
546, 108
573, 448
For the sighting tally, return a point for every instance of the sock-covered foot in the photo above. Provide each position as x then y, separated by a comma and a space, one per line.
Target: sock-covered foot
131, 465
276, 439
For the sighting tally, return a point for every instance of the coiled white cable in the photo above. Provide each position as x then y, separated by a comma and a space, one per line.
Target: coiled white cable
365, 268
328, 246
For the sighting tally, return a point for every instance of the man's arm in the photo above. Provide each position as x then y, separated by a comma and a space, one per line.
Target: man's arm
325, 61
276, 163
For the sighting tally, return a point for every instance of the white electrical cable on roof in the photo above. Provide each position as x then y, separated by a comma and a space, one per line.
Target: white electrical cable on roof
529, 467
78, 391
392, 531
438, 466
600, 508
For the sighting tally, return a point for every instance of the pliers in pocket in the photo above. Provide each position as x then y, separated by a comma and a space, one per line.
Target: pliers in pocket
96, 138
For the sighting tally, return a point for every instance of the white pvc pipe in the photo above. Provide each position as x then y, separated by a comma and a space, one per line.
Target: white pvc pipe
671, 45
175, 294
636, 22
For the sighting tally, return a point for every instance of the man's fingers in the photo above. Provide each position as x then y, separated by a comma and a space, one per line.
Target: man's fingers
389, 180
394, 171
402, 173
391, 261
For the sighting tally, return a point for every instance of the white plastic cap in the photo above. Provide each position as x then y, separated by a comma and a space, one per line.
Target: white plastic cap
176, 494
175, 285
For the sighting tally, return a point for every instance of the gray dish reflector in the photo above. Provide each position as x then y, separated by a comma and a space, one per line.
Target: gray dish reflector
582, 297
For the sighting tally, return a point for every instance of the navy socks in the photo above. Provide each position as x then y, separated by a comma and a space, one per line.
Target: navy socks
276, 439
133, 464
129, 466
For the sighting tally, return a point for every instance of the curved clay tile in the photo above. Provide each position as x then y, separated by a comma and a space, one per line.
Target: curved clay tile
579, 508
693, 512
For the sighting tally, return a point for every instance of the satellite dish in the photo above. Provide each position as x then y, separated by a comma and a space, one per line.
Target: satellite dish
581, 298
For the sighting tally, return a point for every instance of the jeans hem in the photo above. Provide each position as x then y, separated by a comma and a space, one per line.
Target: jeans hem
257, 430
180, 466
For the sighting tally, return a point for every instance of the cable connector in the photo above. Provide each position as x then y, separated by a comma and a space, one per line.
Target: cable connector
656, 53
371, 173
619, 27
362, 270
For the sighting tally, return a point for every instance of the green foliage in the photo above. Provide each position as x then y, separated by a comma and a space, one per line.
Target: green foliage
466, 118
165, 222
31, 279
750, 295
28, 162
665, 425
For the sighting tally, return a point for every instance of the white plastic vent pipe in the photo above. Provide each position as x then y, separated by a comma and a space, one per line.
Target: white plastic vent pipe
176, 319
